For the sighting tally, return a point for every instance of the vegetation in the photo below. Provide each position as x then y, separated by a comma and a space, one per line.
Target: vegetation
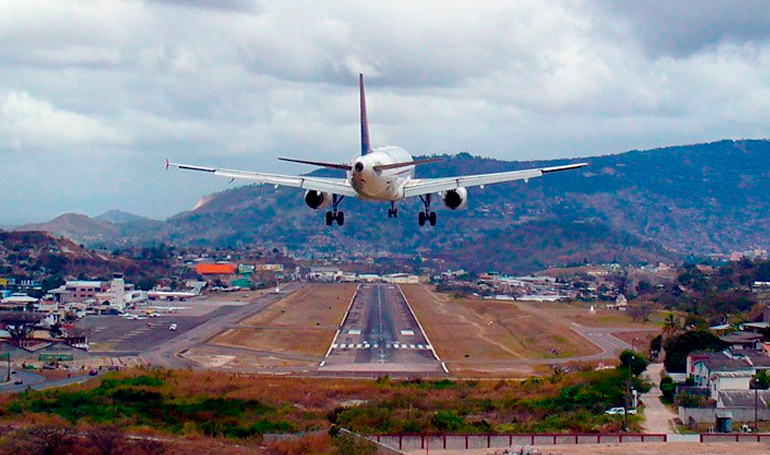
243, 408
678, 347
633, 361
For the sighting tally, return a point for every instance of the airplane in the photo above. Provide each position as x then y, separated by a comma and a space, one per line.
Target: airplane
379, 174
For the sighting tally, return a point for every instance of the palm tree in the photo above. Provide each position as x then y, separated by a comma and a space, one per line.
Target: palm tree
671, 324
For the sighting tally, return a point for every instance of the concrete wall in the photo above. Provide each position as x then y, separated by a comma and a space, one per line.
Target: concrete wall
708, 415
461, 442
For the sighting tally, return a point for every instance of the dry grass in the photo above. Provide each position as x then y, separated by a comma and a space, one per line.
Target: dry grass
579, 312
466, 331
302, 323
639, 340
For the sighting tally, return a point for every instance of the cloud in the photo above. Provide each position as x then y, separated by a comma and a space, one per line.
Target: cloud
26, 122
682, 28
241, 6
102, 91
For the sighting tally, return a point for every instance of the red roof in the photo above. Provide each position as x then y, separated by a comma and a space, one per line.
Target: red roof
215, 269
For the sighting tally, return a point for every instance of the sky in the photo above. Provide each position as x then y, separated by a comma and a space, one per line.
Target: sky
95, 94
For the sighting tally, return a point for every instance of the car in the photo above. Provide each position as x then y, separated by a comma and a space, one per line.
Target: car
172, 327
92, 372
619, 410
18, 382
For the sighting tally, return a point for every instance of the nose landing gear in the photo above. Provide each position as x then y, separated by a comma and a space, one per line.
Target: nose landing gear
427, 215
392, 211
335, 215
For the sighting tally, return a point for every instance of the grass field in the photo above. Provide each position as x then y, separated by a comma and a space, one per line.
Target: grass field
470, 332
303, 323
579, 312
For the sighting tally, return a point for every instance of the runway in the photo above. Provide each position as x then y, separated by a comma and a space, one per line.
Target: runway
380, 335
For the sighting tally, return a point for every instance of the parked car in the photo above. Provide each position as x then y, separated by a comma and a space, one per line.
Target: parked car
619, 410
92, 372
172, 327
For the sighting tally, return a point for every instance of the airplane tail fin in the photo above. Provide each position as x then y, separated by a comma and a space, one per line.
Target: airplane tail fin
365, 147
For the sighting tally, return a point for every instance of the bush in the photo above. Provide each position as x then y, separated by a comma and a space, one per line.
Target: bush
633, 361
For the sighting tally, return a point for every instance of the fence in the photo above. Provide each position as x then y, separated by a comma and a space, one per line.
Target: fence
734, 437
489, 441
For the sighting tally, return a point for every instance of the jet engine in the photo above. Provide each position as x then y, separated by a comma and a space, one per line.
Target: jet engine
455, 199
317, 199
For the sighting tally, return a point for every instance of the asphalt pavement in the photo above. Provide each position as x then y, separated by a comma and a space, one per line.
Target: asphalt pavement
165, 354
380, 335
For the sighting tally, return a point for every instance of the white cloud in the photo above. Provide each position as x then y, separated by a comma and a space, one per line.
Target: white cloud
236, 83
26, 122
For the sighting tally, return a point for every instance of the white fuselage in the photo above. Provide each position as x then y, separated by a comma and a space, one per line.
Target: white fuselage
384, 185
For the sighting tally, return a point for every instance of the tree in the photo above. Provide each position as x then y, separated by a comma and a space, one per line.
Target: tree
671, 325
678, 347
640, 311
633, 362
19, 324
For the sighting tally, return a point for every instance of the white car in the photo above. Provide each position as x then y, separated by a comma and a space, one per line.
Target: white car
172, 327
619, 410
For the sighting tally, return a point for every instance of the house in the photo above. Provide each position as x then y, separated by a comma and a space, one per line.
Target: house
727, 370
743, 341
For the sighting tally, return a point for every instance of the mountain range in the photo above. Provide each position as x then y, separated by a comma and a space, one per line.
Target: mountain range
633, 207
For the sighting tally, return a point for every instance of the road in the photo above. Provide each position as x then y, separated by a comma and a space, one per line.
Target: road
657, 417
380, 335
165, 353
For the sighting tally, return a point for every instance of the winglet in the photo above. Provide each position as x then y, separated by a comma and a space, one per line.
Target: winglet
365, 147
168, 163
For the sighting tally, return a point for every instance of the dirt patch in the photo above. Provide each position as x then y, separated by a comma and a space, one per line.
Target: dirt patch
467, 333
303, 323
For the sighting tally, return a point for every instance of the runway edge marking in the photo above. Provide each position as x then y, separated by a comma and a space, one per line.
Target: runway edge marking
337, 333
432, 349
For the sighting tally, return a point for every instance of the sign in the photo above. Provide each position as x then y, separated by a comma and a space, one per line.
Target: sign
5, 356
55, 357
245, 269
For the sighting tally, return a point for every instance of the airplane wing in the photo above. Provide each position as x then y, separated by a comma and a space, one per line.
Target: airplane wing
328, 185
419, 187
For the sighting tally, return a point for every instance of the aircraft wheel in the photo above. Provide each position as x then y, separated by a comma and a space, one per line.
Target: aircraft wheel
395, 213
432, 218
421, 219
329, 218
340, 218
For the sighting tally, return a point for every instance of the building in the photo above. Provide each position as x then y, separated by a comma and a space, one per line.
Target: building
743, 341
100, 295
79, 291
727, 370
18, 302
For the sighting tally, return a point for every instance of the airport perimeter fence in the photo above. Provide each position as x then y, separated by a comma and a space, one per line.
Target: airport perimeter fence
735, 437
497, 441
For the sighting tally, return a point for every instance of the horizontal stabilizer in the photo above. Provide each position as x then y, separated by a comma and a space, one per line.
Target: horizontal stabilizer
344, 167
382, 167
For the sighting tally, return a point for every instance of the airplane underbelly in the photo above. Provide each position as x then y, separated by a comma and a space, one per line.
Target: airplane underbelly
383, 190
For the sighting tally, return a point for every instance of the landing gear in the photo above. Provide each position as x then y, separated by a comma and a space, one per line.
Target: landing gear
392, 211
335, 215
426, 215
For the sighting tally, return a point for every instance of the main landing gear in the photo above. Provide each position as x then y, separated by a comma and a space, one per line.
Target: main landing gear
427, 215
334, 215
392, 211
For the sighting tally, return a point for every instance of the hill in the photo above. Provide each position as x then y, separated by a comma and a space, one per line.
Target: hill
638, 206
80, 228
120, 217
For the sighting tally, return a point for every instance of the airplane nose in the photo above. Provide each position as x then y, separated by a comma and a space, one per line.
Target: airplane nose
359, 166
